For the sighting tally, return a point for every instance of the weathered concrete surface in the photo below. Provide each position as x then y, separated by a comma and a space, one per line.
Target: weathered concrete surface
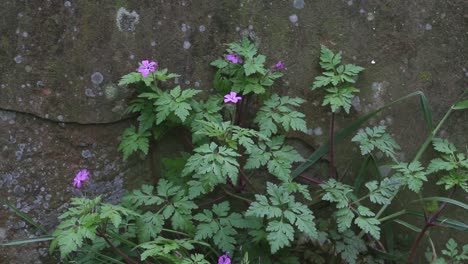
61, 60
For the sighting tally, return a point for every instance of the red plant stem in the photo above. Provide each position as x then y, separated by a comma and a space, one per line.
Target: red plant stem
248, 181
311, 179
332, 147
118, 251
212, 201
429, 223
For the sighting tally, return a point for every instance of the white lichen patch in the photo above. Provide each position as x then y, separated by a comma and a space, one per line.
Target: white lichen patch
187, 44
293, 18
110, 91
126, 21
18, 59
298, 4
97, 78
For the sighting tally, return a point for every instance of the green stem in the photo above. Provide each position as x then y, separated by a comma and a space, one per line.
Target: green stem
175, 232
420, 152
394, 215
332, 147
238, 197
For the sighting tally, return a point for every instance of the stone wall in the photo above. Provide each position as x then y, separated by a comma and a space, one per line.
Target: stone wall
61, 109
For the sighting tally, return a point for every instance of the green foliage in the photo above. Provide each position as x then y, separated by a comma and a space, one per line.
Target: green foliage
339, 97
220, 226
208, 111
163, 224
363, 217
454, 255
247, 77
277, 156
412, 174
280, 111
451, 162
348, 245
376, 138
336, 192
450, 158
338, 78
217, 162
154, 106
161, 248
230, 134
382, 193
175, 102
283, 214
133, 140
81, 222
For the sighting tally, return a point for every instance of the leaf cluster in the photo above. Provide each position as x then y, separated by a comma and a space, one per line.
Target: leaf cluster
337, 78
220, 226
211, 165
451, 162
284, 215
275, 155
412, 174
363, 217
279, 111
250, 76
376, 138
451, 252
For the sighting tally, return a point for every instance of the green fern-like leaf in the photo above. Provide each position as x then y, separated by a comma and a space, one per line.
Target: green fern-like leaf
376, 138
219, 225
215, 160
278, 157
339, 97
280, 111
412, 174
336, 192
383, 192
133, 140
130, 78
175, 102
348, 245
279, 207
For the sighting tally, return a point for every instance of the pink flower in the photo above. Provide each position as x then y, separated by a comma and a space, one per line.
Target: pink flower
80, 177
234, 58
278, 66
232, 97
146, 67
224, 259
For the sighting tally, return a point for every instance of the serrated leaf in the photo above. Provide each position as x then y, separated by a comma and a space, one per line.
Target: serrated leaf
344, 218
369, 225
279, 235
133, 141
130, 78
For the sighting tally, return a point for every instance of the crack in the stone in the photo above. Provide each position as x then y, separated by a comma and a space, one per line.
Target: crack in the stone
65, 122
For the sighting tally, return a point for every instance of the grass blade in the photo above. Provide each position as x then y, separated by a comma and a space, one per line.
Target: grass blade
387, 256
408, 225
26, 241
426, 112
446, 200
24, 216
361, 174
448, 222
461, 105
349, 130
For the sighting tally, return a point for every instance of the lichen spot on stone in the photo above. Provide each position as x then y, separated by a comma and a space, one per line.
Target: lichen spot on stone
126, 21
187, 44
97, 78
18, 59
293, 18
110, 91
299, 4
